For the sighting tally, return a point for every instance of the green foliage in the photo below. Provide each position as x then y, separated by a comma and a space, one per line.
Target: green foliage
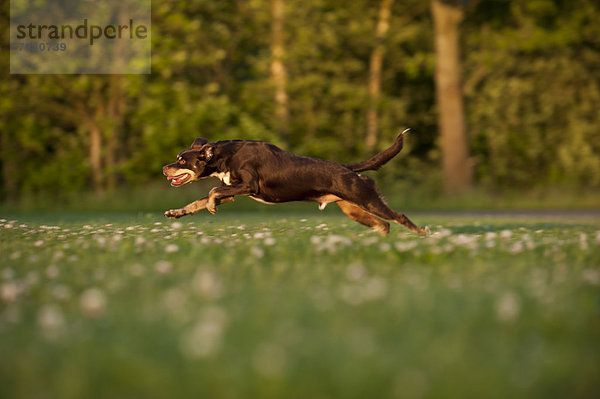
531, 88
533, 94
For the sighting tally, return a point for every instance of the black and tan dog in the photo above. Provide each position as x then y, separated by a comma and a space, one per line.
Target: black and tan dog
270, 175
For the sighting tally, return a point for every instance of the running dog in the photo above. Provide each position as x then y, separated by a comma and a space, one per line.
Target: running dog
270, 175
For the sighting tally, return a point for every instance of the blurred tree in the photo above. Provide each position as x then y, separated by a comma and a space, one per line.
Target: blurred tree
457, 167
533, 92
101, 103
376, 59
278, 69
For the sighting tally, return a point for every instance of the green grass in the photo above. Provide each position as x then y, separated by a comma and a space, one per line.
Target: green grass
401, 195
298, 305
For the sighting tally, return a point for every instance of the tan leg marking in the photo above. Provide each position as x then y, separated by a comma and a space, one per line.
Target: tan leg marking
193, 207
364, 217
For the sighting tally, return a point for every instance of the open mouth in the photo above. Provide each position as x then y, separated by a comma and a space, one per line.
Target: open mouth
179, 179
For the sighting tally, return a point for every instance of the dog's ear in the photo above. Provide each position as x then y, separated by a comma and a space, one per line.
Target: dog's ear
199, 142
206, 152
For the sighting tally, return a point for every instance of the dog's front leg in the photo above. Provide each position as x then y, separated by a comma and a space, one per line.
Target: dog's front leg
193, 208
217, 194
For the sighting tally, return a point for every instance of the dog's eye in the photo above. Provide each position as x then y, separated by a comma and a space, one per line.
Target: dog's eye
181, 162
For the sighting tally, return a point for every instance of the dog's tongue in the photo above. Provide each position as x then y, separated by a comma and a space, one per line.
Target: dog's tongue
179, 179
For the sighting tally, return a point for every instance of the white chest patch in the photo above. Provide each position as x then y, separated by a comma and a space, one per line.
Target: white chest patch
223, 176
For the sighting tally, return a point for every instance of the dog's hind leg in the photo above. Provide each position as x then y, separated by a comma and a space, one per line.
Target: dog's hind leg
366, 196
193, 207
364, 217
377, 206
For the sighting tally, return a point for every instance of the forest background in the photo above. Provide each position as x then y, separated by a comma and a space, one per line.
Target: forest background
502, 97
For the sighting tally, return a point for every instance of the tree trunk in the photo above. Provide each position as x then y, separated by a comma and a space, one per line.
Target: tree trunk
375, 63
95, 144
113, 124
278, 70
9, 177
95, 155
457, 167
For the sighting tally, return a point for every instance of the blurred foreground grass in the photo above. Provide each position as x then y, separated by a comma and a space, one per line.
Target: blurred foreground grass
294, 305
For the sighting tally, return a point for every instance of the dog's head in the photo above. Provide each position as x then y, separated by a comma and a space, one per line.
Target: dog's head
190, 164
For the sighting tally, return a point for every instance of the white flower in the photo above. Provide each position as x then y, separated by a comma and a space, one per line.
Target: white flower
508, 307
441, 233
465, 240
204, 338
38, 243
269, 241
591, 276
490, 235
505, 234
257, 252
9, 292
163, 267
207, 284
50, 317
402, 246
583, 243
330, 243
356, 272
370, 241
384, 247
52, 271
516, 248
177, 225
171, 248
92, 302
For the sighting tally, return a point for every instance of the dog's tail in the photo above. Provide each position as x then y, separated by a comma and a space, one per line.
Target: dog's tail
378, 160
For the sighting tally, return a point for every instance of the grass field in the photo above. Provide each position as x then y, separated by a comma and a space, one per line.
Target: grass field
298, 305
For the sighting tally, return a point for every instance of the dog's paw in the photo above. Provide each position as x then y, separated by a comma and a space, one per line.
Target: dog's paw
211, 207
175, 213
425, 231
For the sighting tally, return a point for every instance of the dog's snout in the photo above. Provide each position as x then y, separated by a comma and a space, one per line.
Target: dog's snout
164, 169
